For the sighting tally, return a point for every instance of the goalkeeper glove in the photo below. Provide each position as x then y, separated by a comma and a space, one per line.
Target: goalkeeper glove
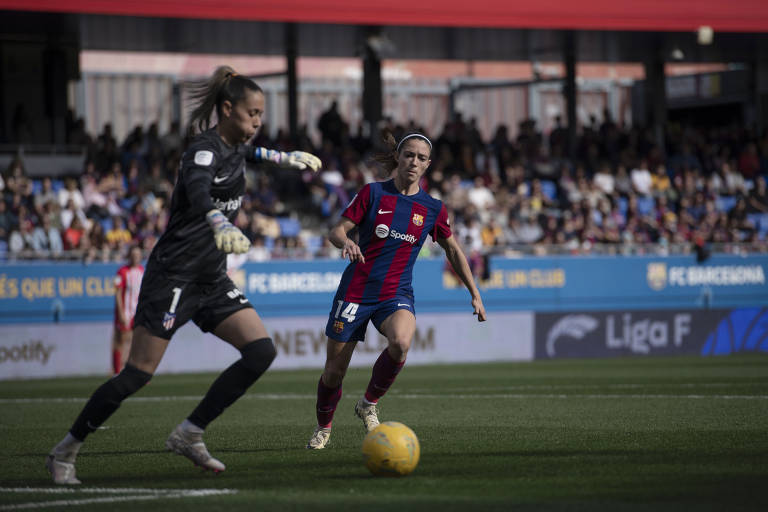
295, 159
228, 238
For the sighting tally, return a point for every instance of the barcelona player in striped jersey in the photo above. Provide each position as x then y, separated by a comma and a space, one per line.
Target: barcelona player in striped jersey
394, 219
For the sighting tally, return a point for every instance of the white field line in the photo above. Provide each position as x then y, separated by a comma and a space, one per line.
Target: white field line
113, 490
119, 495
179, 398
521, 387
576, 396
405, 395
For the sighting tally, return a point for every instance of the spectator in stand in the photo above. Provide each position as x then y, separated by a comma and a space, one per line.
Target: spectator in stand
78, 136
45, 195
8, 221
758, 197
118, 236
685, 189
492, 235
172, 140
97, 241
20, 239
734, 181
470, 234
46, 240
151, 147
331, 125
749, 161
737, 217
661, 185
157, 183
604, 179
530, 231
480, 195
70, 193
95, 200
73, 235
641, 178
16, 180
71, 212
258, 251
106, 150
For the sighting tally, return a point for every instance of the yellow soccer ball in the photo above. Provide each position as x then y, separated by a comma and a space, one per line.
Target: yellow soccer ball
391, 449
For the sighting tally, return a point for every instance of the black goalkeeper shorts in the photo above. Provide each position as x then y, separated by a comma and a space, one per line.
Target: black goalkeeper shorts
165, 304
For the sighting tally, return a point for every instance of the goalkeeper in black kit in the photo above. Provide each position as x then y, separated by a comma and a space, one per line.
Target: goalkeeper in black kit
185, 277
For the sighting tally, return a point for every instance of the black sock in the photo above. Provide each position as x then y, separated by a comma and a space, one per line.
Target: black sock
234, 381
107, 399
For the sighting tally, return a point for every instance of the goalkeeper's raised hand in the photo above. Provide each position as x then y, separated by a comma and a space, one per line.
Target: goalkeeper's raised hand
228, 238
294, 160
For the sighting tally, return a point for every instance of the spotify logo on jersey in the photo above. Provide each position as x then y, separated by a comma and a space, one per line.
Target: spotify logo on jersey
382, 231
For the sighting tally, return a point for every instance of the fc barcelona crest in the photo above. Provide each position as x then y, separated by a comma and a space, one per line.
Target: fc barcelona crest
338, 326
418, 219
657, 275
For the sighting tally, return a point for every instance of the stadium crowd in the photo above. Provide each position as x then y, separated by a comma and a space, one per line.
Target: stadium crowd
619, 193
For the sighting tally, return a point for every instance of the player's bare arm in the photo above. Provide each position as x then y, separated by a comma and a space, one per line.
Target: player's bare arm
119, 302
338, 237
458, 261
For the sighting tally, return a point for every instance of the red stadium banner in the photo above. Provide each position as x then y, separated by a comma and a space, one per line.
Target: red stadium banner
666, 15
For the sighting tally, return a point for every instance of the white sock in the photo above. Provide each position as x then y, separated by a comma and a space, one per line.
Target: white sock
67, 448
188, 426
366, 402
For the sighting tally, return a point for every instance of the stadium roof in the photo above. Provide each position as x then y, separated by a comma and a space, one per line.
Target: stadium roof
645, 15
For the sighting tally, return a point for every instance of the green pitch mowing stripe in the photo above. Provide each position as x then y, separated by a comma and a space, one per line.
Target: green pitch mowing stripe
623, 434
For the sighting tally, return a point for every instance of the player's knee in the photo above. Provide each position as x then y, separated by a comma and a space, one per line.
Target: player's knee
333, 376
258, 355
130, 380
398, 346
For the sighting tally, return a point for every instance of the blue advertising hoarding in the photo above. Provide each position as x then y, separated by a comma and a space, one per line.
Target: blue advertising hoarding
618, 333
70, 292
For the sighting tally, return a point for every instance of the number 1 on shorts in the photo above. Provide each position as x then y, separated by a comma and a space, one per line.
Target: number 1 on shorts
175, 301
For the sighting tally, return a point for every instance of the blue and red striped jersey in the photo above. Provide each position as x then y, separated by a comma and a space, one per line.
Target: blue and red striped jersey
392, 228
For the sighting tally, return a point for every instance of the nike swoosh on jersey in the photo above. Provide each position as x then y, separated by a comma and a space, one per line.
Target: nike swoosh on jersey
219, 179
382, 212
243, 301
401, 304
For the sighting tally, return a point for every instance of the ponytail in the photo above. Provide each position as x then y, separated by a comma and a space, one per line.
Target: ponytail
208, 95
387, 158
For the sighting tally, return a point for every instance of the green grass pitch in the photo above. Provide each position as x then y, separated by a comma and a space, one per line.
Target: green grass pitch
679, 433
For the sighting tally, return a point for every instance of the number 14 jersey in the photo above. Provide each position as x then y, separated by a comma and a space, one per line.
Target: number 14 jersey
392, 229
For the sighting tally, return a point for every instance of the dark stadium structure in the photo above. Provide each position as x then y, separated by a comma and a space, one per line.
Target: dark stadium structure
40, 40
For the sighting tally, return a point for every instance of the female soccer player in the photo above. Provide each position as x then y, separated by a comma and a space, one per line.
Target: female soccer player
127, 285
186, 277
394, 219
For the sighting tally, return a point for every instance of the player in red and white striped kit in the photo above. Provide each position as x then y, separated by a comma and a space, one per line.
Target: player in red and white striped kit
127, 285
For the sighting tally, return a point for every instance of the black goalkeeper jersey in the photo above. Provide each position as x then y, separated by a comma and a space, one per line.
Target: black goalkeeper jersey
211, 175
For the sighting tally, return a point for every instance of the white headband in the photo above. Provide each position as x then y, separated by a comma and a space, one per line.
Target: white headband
410, 136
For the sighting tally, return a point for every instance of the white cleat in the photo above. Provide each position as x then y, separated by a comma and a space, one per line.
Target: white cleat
320, 438
192, 447
367, 413
63, 472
